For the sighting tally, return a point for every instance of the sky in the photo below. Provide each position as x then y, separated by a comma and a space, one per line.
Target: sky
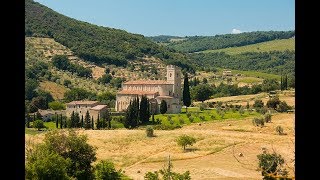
181, 17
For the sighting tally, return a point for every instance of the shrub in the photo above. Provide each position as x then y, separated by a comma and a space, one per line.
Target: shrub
202, 118
38, 124
273, 102
258, 122
149, 131
106, 170
202, 106
258, 103
267, 117
191, 119
262, 110
270, 165
279, 130
185, 140
181, 120
43, 164
188, 114
56, 105
241, 111
282, 107
213, 117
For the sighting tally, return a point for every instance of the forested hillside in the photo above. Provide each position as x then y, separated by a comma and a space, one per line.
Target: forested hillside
275, 62
91, 42
201, 43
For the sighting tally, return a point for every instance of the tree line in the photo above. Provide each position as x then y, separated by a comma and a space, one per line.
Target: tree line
201, 43
275, 62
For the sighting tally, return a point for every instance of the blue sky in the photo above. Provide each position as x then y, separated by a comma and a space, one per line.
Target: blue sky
181, 17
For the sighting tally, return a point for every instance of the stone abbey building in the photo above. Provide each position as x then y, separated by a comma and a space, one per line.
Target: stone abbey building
155, 90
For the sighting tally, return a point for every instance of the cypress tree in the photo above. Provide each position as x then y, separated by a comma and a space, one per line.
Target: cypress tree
72, 119
65, 123
57, 124
34, 117
61, 122
87, 122
77, 119
92, 123
98, 122
186, 92
144, 113
286, 82
163, 107
82, 121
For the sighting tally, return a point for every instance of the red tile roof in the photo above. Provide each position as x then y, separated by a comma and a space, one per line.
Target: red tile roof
81, 102
137, 92
98, 107
147, 82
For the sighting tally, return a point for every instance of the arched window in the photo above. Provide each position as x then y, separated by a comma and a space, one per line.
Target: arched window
170, 75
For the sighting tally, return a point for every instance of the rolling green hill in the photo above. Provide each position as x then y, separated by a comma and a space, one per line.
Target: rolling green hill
274, 45
91, 42
201, 43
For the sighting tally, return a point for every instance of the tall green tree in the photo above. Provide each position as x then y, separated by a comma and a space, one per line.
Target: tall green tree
77, 120
106, 119
286, 82
186, 92
61, 121
82, 123
92, 123
98, 123
87, 121
144, 113
72, 120
163, 107
131, 116
57, 121
202, 92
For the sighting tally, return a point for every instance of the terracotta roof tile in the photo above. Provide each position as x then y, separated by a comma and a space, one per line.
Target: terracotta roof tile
147, 82
137, 92
98, 107
81, 102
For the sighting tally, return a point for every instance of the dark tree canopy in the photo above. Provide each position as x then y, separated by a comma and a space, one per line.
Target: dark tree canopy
186, 92
163, 107
144, 112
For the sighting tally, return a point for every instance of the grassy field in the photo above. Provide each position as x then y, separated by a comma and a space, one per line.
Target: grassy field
201, 116
213, 156
57, 90
250, 80
274, 45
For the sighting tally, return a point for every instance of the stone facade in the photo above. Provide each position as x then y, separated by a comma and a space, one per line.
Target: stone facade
155, 90
94, 107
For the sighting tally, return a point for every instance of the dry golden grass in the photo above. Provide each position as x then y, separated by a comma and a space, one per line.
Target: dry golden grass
211, 157
287, 96
57, 91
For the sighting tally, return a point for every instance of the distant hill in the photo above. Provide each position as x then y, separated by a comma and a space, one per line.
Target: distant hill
274, 45
274, 62
166, 38
201, 43
91, 42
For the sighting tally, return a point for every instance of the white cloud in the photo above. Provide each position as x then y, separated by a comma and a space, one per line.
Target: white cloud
236, 31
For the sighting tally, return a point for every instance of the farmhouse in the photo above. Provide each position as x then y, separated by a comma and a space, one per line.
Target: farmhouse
155, 90
94, 107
